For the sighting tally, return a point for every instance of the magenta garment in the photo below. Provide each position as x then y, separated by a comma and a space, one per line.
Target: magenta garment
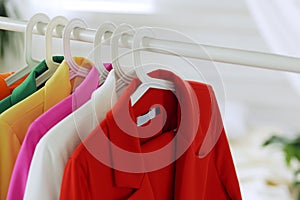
42, 125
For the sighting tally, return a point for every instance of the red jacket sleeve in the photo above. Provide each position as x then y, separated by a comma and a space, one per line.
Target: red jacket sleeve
222, 158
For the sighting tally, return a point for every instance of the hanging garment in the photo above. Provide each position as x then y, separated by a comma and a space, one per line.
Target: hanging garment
28, 86
6, 90
43, 124
190, 177
15, 121
55, 148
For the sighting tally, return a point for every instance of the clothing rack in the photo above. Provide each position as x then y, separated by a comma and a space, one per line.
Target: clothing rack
189, 50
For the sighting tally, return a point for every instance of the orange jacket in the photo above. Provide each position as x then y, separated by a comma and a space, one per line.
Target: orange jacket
6, 90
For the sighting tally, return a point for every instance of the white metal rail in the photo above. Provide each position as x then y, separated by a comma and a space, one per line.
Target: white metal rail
189, 50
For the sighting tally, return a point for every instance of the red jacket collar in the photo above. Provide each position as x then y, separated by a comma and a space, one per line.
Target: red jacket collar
129, 168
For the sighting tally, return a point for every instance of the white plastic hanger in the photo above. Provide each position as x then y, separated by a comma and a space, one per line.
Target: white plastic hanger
124, 78
52, 66
31, 63
75, 70
147, 81
103, 28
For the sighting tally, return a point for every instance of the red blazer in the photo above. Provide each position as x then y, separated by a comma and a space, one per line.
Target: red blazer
189, 123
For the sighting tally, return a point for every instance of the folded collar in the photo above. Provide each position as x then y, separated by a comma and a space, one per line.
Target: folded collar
84, 91
28, 86
5, 91
57, 87
104, 98
130, 168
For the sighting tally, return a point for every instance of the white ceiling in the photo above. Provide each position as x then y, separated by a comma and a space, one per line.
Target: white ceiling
264, 98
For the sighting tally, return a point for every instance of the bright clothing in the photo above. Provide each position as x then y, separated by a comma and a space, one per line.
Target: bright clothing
6, 90
189, 177
41, 126
54, 149
27, 87
15, 121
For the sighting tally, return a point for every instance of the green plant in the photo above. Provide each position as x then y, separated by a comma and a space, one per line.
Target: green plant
291, 150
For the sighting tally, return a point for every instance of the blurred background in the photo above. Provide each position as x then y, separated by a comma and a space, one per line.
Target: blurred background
255, 103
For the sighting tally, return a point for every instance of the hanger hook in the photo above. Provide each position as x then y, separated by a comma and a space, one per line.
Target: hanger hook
117, 34
140, 34
147, 81
70, 27
103, 28
34, 20
54, 23
52, 66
